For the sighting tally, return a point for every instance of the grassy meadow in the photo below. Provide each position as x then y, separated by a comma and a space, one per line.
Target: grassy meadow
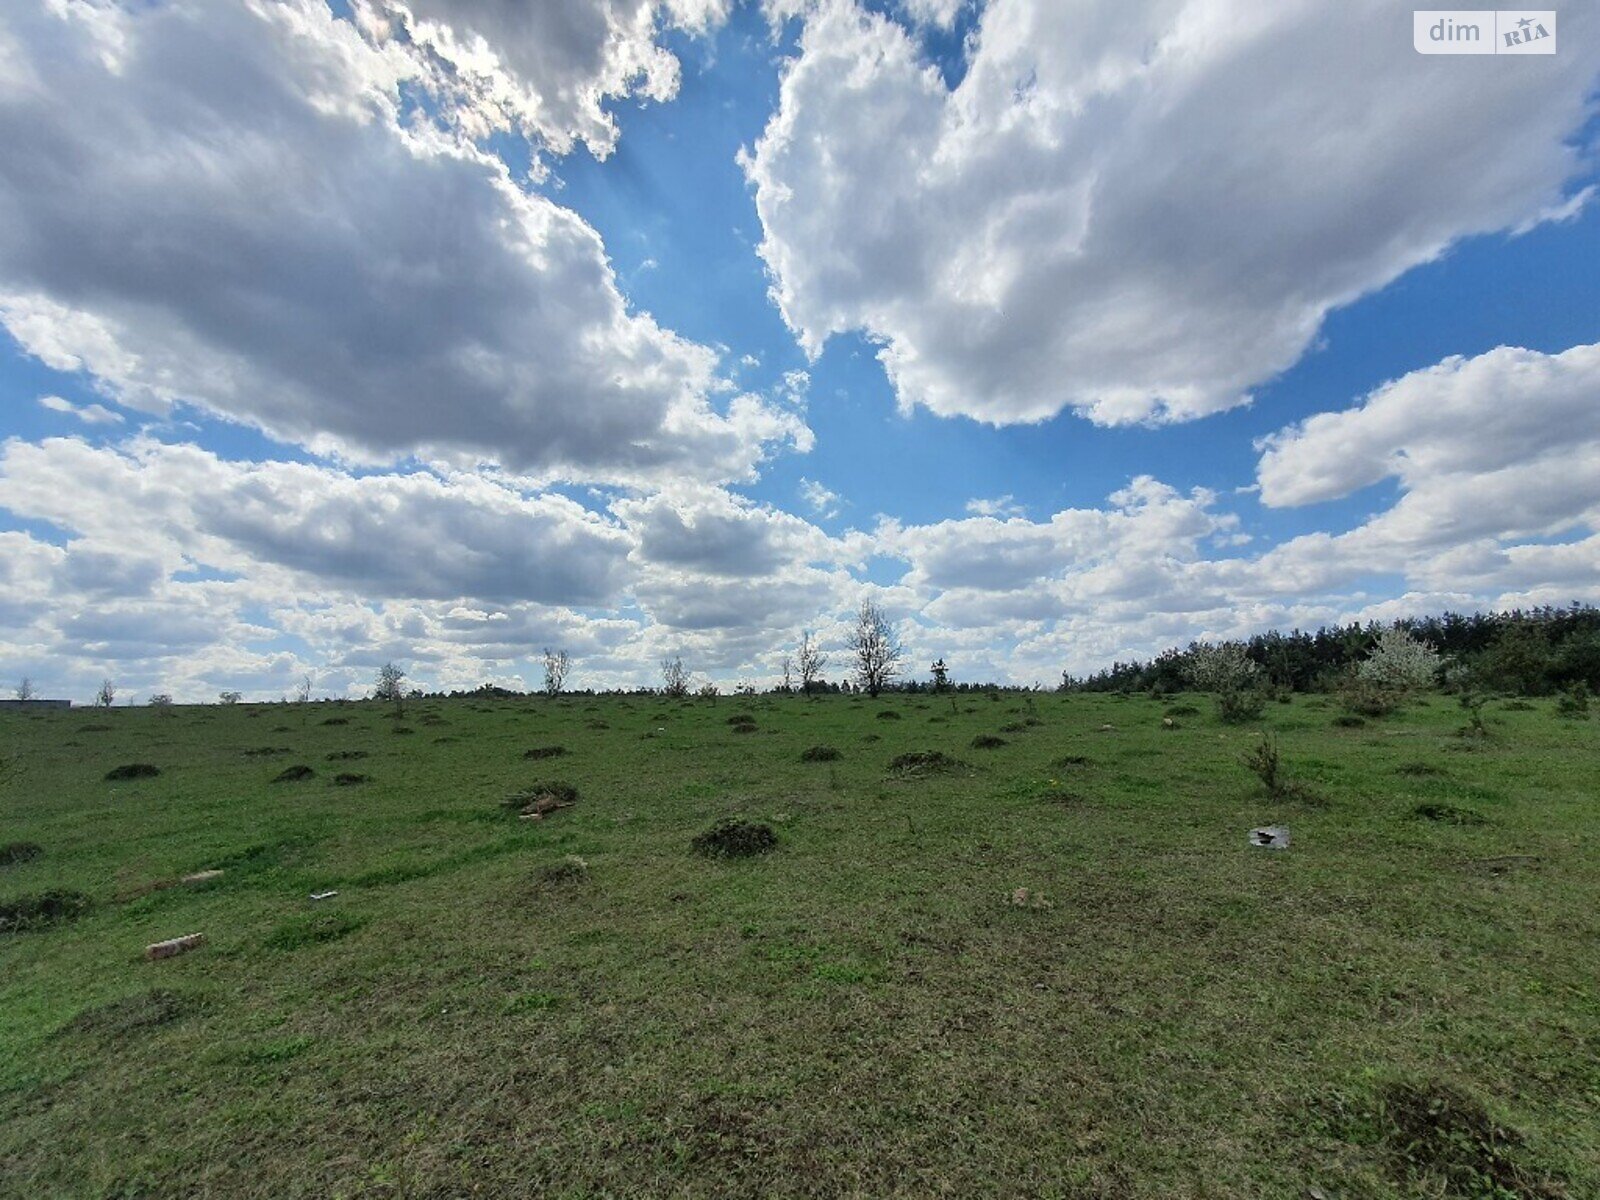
1405, 1002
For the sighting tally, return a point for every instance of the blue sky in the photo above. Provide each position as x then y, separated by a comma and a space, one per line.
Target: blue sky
582, 347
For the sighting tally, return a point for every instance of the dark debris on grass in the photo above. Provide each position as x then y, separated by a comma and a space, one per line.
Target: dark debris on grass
736, 839
132, 771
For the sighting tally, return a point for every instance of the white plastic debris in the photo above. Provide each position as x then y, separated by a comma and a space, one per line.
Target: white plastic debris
323, 895
1272, 837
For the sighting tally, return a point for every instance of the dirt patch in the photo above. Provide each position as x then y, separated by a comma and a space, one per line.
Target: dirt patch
820, 754
736, 839
1064, 799
923, 762
545, 752
350, 779
541, 799
132, 771
988, 741
294, 774
41, 910
1418, 770
14, 853
1448, 814
1503, 864
1442, 1135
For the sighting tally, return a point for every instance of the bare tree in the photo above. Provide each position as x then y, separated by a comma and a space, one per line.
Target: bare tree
26, 690
302, 694
812, 661
786, 685
556, 664
106, 696
675, 676
390, 686
876, 648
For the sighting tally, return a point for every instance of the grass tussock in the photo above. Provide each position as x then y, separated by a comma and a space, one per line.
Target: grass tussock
43, 909
14, 854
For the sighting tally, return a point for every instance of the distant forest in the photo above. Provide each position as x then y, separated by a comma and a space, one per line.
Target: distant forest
1533, 652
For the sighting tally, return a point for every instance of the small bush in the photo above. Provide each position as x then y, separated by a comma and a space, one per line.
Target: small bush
820, 754
295, 774
1575, 704
1240, 705
545, 752
1265, 761
988, 741
14, 853
42, 909
132, 771
1366, 697
736, 839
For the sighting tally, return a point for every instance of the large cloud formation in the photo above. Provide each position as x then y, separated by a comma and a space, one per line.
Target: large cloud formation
544, 69
1138, 211
226, 205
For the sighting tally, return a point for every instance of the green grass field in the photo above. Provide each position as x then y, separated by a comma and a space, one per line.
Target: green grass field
1394, 1006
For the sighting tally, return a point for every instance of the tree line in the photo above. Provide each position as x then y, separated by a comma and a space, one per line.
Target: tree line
1531, 652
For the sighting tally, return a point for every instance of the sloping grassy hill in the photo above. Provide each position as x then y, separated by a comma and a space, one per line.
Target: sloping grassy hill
1400, 1004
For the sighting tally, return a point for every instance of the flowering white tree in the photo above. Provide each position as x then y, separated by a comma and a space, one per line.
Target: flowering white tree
556, 664
1229, 673
1222, 668
1400, 663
